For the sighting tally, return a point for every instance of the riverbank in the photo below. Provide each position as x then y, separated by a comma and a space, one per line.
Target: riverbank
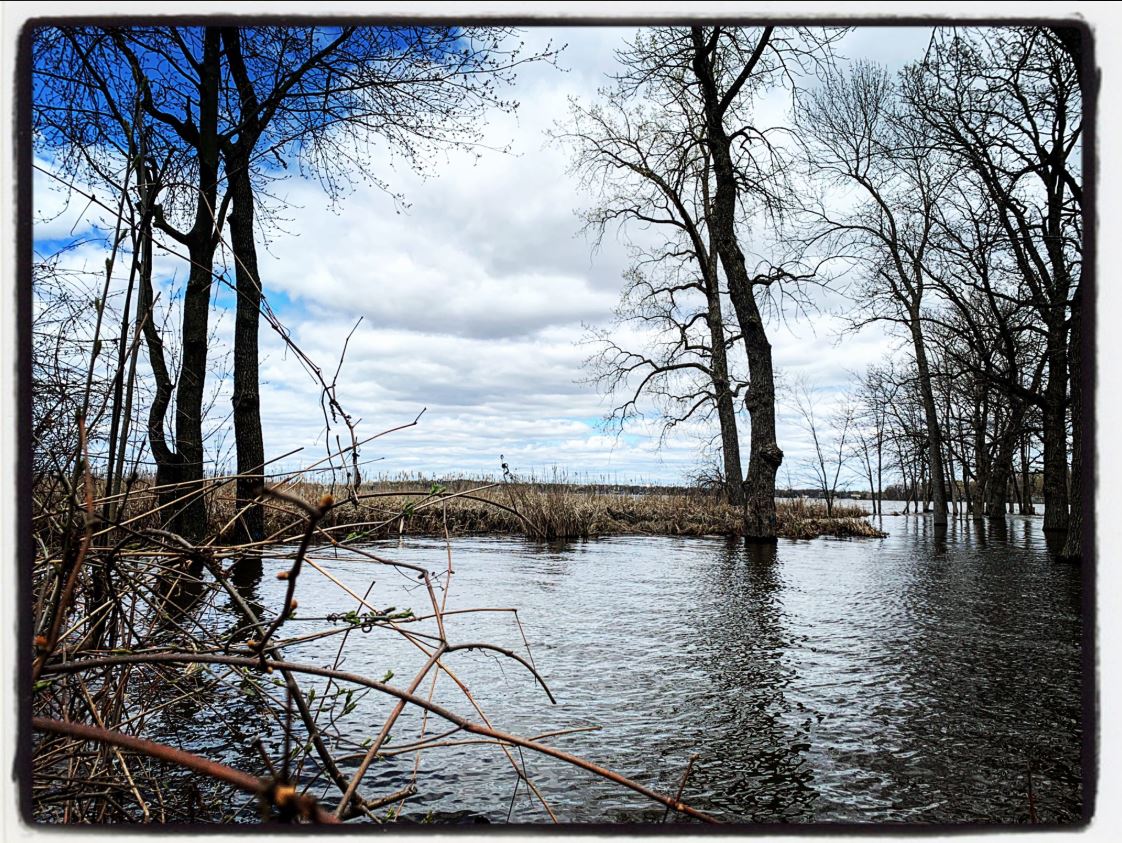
553, 511
542, 511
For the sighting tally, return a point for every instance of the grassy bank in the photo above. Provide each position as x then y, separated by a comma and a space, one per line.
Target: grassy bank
539, 510
551, 511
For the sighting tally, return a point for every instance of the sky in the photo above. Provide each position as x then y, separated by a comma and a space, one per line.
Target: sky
474, 302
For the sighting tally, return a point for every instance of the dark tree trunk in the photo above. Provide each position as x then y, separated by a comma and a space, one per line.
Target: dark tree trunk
247, 392
967, 494
952, 486
880, 476
726, 415
982, 460
1028, 508
166, 459
189, 513
719, 369
934, 431
179, 470
189, 517
1000, 471
1055, 429
247, 396
764, 455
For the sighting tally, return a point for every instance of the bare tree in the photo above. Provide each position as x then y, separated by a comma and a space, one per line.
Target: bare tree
831, 437
1006, 104
875, 393
706, 78
651, 170
861, 142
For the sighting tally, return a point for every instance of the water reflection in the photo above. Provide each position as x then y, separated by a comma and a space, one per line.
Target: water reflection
911, 678
245, 579
755, 767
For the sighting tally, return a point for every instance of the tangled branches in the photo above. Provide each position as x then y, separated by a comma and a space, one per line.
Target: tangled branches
179, 681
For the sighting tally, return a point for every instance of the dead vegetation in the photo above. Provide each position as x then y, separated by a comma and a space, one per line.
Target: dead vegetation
168, 686
538, 510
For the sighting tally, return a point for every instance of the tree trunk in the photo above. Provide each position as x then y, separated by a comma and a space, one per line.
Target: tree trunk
189, 517
999, 473
952, 486
726, 409
982, 460
934, 433
247, 395
1055, 430
167, 470
967, 495
247, 391
764, 456
1028, 508
880, 478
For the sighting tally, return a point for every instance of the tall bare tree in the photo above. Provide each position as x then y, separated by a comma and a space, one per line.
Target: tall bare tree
862, 143
707, 77
651, 171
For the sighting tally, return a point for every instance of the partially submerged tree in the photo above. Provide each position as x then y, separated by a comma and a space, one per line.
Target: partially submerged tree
698, 86
1006, 105
862, 144
652, 172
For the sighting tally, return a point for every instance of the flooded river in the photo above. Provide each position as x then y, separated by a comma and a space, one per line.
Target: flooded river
905, 679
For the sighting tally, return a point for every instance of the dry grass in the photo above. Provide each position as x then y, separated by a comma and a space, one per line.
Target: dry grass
545, 511
553, 511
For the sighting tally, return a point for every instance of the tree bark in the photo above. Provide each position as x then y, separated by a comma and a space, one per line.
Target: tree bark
189, 517
247, 393
1028, 508
934, 429
248, 438
1055, 428
726, 409
1000, 470
764, 455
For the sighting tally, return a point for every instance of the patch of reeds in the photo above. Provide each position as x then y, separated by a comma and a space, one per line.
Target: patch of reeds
544, 511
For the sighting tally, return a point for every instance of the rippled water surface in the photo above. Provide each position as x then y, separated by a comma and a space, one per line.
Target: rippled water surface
895, 680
